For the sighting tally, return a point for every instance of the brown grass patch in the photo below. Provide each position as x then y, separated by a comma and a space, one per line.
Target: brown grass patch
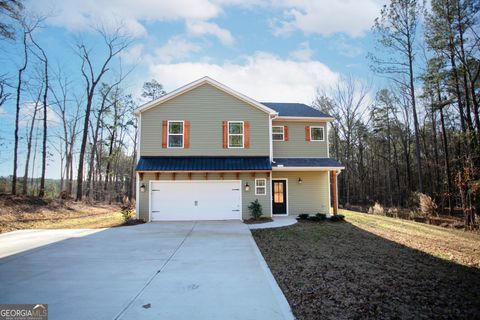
18, 212
375, 268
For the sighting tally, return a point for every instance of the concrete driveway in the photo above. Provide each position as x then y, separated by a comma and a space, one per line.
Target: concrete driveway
175, 270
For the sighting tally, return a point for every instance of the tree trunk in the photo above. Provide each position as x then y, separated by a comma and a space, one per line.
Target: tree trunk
17, 112
41, 192
29, 149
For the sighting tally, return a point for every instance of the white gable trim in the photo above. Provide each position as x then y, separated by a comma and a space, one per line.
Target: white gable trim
198, 83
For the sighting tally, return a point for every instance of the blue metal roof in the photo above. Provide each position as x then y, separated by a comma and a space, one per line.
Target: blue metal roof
295, 110
307, 162
203, 163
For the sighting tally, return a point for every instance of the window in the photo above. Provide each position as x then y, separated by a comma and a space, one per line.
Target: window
175, 134
260, 187
316, 134
278, 133
235, 134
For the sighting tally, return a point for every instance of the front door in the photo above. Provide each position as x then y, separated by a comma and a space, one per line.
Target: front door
279, 196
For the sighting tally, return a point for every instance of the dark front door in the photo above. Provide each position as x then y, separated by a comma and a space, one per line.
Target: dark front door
279, 196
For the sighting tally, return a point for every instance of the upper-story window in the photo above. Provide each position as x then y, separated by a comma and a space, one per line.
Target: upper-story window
175, 134
235, 134
317, 134
278, 133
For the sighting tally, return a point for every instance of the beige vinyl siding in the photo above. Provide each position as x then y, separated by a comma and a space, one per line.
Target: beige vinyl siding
311, 196
296, 146
247, 197
205, 107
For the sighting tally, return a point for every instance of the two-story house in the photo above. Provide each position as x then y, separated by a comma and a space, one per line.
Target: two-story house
207, 151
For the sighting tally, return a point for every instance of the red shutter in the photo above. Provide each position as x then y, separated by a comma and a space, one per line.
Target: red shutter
246, 134
186, 135
164, 133
307, 133
285, 133
224, 134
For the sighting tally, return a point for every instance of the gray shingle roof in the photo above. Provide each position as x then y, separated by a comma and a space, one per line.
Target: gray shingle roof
203, 163
307, 162
295, 110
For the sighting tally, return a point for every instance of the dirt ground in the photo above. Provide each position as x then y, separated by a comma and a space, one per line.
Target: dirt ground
373, 267
17, 212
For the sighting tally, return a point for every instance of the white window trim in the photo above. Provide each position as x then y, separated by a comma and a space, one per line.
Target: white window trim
264, 186
283, 133
236, 134
176, 134
317, 127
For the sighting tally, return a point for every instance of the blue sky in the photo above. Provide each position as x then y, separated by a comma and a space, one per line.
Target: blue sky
269, 50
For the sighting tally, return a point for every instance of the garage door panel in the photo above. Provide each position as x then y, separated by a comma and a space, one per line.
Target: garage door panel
195, 200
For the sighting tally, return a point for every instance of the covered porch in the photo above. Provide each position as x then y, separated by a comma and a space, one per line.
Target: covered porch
310, 183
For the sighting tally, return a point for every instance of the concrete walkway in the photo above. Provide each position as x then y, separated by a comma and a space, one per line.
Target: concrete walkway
188, 270
277, 222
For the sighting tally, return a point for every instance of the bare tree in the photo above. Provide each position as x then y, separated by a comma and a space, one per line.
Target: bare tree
44, 59
26, 31
347, 103
29, 141
115, 43
396, 31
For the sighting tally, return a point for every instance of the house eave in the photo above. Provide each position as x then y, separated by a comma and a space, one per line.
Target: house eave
307, 168
304, 119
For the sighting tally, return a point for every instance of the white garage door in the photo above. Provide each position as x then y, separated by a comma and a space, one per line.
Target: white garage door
195, 200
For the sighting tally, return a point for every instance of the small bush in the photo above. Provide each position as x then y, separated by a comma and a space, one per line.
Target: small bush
377, 209
321, 216
255, 209
303, 216
314, 218
428, 207
338, 217
128, 210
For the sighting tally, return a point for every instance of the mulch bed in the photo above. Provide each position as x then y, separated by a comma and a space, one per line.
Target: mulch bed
133, 222
255, 221
339, 271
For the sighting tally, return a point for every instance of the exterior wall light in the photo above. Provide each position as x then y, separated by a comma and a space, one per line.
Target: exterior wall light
142, 187
247, 187
300, 180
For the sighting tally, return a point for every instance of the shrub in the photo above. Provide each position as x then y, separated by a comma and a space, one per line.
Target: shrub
393, 212
321, 216
413, 201
338, 217
314, 218
427, 205
255, 209
303, 216
128, 210
377, 209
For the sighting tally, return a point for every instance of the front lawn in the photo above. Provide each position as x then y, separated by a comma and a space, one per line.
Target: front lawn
376, 268
17, 212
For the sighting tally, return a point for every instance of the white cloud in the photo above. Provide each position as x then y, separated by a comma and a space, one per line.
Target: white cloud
200, 28
77, 15
327, 17
345, 48
263, 76
303, 53
134, 54
176, 49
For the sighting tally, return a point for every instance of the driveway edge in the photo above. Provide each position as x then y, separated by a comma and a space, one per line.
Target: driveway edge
279, 296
